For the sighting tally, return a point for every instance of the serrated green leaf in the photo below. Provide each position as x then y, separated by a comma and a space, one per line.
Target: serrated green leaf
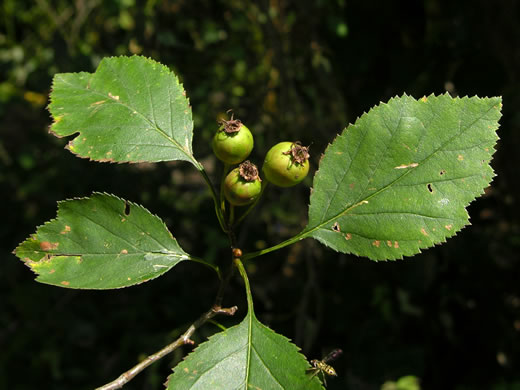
101, 242
131, 109
246, 356
400, 178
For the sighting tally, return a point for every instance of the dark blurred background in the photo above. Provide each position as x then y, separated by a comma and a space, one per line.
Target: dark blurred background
291, 70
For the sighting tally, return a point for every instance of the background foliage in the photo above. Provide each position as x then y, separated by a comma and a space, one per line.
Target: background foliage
291, 70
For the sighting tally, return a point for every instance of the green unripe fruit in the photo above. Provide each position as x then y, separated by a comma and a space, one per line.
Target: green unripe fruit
233, 142
286, 164
242, 185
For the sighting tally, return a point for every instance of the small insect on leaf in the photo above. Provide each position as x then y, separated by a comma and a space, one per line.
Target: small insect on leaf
322, 367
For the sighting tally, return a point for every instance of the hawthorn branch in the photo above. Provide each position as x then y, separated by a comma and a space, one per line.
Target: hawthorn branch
184, 339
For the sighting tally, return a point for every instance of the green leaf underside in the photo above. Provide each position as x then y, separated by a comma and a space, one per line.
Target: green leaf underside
400, 178
246, 356
132, 109
101, 242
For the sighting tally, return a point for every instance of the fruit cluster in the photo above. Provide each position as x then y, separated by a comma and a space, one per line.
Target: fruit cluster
285, 165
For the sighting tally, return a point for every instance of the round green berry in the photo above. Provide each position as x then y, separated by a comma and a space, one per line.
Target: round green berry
233, 142
286, 164
242, 185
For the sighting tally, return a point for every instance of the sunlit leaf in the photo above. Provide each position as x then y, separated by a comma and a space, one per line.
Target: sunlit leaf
101, 242
246, 356
399, 180
131, 109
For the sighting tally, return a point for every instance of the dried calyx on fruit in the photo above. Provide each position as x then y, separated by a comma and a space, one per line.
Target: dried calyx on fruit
242, 185
233, 141
286, 164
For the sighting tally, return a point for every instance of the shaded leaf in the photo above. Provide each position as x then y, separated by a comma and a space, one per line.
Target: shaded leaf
100, 242
400, 178
246, 356
131, 109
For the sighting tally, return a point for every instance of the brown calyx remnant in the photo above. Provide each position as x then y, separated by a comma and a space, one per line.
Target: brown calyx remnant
299, 153
248, 171
230, 126
237, 252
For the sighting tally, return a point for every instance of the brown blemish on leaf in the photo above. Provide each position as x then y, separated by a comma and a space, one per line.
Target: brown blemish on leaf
442, 172
112, 96
65, 283
412, 165
424, 99
123, 219
348, 236
124, 252
351, 185
396, 244
100, 102
389, 243
448, 227
376, 243
47, 246
110, 160
460, 157
186, 370
336, 227
423, 231
52, 271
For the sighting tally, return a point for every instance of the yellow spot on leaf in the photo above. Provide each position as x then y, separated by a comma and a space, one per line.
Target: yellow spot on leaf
58, 118
113, 97
65, 230
448, 227
389, 243
460, 157
65, 283
396, 244
412, 165
424, 99
124, 252
424, 232
99, 102
376, 243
